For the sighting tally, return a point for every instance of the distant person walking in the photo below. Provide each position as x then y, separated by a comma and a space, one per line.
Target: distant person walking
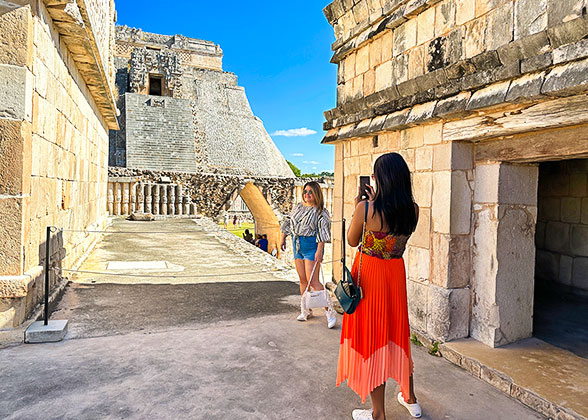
375, 339
235, 222
226, 220
309, 223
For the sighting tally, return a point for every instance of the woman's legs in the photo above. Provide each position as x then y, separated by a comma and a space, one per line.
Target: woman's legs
411, 397
301, 270
378, 396
314, 283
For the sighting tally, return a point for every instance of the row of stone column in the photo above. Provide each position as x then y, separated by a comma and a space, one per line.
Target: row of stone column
126, 196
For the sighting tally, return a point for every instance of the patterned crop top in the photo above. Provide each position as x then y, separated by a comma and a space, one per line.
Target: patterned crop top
383, 245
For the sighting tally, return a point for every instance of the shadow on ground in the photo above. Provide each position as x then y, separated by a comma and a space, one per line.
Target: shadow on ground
109, 309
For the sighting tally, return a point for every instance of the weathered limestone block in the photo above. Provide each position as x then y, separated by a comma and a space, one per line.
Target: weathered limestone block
571, 209
559, 237
445, 17
492, 95
502, 310
580, 276
584, 215
448, 313
500, 27
16, 37
451, 260
418, 260
571, 52
579, 240
525, 87
565, 270
425, 26
13, 286
568, 78
531, 17
417, 304
465, 11
16, 96
559, 11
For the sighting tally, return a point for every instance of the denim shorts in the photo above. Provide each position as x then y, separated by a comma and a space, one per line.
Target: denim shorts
307, 248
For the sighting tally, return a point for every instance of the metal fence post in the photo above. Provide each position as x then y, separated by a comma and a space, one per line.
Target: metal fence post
47, 265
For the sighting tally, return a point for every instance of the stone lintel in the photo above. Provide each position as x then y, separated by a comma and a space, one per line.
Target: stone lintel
74, 25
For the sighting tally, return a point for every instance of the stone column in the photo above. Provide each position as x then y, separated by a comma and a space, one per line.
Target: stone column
186, 205
133, 189
171, 209
163, 198
110, 198
125, 186
117, 198
440, 249
140, 208
179, 200
505, 215
148, 198
155, 206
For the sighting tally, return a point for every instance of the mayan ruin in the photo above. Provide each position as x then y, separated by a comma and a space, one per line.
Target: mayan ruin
141, 153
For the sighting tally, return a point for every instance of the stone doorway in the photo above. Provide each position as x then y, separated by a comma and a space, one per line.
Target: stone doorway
561, 271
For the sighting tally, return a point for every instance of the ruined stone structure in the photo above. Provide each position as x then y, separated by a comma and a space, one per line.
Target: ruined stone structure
182, 115
56, 107
474, 94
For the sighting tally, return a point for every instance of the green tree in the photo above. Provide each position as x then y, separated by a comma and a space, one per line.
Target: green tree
294, 168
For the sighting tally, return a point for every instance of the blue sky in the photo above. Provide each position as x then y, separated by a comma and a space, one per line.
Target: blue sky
279, 50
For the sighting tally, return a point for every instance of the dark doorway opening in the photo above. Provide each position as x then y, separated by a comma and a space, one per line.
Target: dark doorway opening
560, 313
155, 85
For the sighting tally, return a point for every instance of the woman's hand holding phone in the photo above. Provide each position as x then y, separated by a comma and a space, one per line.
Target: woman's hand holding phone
364, 191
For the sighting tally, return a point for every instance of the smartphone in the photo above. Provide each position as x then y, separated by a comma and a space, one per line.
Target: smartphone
364, 181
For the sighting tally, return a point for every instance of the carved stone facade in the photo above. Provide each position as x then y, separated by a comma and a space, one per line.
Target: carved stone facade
166, 63
56, 107
474, 94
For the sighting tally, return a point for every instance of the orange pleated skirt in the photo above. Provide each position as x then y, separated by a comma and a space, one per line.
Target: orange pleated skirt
375, 339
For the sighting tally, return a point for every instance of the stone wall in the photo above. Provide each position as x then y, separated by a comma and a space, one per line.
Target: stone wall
54, 144
159, 133
562, 226
473, 94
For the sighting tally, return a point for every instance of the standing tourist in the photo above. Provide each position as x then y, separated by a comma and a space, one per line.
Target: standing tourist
309, 223
375, 339
263, 242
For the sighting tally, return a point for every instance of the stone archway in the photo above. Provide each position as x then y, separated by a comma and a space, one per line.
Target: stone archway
266, 221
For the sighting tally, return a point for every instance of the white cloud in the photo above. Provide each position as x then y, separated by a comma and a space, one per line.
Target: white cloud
314, 168
311, 162
297, 154
294, 132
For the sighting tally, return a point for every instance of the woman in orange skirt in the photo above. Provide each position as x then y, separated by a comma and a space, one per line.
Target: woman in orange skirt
375, 339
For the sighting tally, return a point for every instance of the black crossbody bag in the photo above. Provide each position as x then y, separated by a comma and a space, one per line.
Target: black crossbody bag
349, 293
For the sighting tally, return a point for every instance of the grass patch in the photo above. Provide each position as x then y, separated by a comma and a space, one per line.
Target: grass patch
239, 230
434, 349
415, 340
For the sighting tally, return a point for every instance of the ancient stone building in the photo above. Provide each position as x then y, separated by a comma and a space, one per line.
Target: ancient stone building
182, 112
184, 119
481, 98
56, 107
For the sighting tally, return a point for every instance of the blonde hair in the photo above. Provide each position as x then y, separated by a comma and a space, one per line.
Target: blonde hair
319, 201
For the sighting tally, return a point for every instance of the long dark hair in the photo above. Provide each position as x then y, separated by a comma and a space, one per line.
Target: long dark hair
393, 201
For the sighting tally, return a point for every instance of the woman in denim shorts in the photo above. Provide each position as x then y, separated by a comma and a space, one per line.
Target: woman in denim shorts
309, 223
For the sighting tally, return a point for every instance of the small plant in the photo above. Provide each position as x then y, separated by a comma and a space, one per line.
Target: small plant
434, 349
415, 340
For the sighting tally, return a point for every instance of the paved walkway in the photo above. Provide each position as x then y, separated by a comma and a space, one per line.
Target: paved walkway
206, 350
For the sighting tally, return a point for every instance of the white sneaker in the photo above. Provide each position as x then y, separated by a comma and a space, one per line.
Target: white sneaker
413, 409
362, 415
331, 318
304, 315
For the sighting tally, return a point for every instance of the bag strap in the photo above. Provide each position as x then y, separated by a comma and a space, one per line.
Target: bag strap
312, 275
367, 204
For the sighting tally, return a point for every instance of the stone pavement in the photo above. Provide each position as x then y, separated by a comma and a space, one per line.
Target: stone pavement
207, 350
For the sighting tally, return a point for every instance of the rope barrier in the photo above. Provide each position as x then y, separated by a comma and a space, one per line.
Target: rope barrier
240, 273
